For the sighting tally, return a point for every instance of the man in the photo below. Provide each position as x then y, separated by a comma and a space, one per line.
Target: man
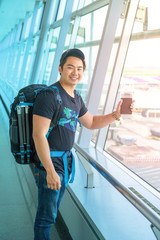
54, 151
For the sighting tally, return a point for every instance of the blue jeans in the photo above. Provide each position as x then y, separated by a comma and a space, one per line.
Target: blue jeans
48, 203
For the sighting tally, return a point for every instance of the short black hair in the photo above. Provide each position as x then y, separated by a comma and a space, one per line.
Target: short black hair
74, 52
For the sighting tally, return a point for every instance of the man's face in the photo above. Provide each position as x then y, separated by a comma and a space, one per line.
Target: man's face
72, 71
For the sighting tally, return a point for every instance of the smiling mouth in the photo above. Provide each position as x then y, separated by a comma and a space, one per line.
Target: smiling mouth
74, 79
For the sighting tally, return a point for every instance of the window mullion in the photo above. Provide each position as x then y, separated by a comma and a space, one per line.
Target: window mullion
118, 67
101, 65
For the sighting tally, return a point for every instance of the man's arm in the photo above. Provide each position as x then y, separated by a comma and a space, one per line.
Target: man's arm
96, 122
40, 129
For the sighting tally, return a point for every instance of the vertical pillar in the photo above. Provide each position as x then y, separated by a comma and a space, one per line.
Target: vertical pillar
50, 5
61, 40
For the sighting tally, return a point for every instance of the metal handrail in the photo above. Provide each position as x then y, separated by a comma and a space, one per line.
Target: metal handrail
148, 212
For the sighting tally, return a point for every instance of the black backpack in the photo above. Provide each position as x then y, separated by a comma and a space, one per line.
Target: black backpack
20, 121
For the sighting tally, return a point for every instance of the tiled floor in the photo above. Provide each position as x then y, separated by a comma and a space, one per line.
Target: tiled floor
16, 223
15, 220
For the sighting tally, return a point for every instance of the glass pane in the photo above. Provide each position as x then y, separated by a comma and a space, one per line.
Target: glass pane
48, 68
91, 26
68, 37
30, 60
12, 64
55, 38
108, 74
54, 41
136, 141
38, 19
28, 27
87, 2
61, 9
75, 5
89, 34
78, 4
90, 57
16, 81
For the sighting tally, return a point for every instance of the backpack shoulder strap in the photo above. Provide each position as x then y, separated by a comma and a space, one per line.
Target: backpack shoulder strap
59, 110
77, 92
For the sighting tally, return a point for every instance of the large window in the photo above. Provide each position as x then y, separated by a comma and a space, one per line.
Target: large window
136, 141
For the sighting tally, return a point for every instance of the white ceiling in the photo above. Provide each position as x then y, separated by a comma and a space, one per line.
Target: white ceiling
11, 11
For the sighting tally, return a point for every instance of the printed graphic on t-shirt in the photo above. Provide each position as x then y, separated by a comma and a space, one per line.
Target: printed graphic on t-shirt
69, 119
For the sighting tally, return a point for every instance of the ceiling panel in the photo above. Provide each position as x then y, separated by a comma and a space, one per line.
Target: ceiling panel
11, 11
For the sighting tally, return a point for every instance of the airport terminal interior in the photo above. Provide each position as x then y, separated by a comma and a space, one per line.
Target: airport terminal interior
116, 191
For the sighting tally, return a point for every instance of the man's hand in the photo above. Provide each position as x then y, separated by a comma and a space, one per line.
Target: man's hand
53, 180
118, 109
132, 105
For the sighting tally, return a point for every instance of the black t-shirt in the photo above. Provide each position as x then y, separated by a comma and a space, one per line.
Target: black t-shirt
61, 138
